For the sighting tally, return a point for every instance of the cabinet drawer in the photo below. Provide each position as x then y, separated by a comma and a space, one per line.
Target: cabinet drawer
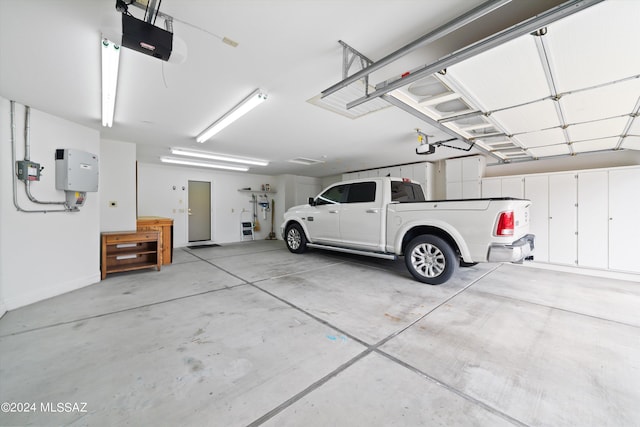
142, 236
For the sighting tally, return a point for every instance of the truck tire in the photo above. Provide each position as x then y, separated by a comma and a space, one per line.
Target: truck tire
430, 259
295, 238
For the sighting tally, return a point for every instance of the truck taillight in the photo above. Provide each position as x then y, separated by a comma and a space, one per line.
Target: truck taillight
505, 224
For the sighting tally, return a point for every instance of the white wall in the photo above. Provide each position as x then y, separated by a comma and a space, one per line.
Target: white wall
298, 189
43, 255
117, 184
306, 187
157, 197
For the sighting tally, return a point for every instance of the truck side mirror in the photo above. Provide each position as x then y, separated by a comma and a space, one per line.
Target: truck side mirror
312, 201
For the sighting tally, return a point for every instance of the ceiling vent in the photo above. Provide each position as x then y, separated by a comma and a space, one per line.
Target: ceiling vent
305, 161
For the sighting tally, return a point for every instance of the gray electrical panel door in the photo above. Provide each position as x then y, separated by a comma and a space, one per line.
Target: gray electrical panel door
76, 170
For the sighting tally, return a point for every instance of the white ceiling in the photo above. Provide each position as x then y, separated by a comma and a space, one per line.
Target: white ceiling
50, 60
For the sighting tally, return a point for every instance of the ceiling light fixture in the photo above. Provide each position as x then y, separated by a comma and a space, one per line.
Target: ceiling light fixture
110, 61
202, 164
216, 156
249, 103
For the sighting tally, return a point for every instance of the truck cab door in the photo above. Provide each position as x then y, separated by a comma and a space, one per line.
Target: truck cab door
323, 221
361, 216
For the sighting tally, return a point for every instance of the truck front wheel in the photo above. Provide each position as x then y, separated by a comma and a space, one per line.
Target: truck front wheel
430, 259
295, 238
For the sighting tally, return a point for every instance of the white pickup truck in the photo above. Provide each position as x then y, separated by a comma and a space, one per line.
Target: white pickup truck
389, 217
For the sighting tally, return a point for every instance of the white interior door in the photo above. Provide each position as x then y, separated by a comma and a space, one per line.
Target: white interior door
593, 219
563, 219
199, 211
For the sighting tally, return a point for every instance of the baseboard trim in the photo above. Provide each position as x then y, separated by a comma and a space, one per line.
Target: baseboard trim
607, 274
50, 291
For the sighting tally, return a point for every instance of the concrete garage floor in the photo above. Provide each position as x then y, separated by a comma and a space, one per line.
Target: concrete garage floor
250, 334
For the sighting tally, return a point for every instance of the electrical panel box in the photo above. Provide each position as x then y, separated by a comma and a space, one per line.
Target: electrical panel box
76, 170
28, 170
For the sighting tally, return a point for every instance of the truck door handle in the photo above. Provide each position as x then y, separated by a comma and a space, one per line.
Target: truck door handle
333, 211
372, 210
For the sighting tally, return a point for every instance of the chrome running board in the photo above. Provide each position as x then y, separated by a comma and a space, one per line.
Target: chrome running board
353, 251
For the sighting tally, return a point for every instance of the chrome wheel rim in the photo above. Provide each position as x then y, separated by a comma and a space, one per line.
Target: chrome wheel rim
428, 260
293, 239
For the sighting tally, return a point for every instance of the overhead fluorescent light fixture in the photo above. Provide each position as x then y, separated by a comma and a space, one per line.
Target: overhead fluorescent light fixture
249, 103
110, 62
216, 156
185, 162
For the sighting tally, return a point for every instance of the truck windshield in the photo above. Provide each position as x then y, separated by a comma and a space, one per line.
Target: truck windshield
406, 192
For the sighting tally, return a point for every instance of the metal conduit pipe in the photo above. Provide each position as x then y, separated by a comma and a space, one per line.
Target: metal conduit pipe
13, 170
27, 156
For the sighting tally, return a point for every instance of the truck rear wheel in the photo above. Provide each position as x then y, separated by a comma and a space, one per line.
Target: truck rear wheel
430, 259
295, 238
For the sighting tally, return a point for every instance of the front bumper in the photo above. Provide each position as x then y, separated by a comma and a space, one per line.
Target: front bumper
514, 252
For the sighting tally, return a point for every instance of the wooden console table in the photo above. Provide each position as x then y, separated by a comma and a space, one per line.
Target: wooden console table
130, 250
165, 227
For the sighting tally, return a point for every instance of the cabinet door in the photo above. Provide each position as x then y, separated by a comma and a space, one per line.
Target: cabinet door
428, 172
380, 172
593, 219
394, 172
536, 189
491, 187
423, 173
418, 172
513, 187
453, 170
471, 168
454, 190
563, 219
407, 172
624, 231
471, 189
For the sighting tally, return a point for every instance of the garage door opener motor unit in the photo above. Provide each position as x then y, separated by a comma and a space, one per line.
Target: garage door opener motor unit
76, 174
